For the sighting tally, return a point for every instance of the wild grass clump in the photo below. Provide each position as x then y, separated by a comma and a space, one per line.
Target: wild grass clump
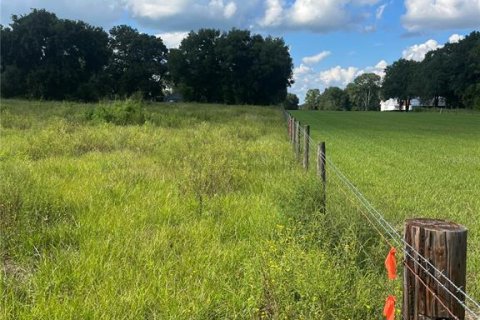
122, 112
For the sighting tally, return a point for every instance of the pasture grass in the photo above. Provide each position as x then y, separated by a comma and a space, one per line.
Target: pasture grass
194, 212
410, 165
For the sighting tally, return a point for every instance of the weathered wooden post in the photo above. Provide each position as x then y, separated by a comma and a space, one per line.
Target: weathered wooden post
289, 120
444, 245
297, 139
294, 133
322, 172
306, 146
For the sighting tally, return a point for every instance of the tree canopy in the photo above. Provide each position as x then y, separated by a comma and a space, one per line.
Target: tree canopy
45, 57
233, 67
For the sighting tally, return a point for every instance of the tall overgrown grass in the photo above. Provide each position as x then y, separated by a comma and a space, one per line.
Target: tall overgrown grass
197, 212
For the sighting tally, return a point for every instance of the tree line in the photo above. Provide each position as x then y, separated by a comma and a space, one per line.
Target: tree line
44, 57
451, 72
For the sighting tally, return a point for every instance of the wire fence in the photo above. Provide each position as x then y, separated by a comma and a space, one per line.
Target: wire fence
386, 230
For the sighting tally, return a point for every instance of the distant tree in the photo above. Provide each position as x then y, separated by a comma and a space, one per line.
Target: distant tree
365, 91
401, 81
291, 102
312, 99
194, 66
138, 63
233, 67
334, 98
51, 58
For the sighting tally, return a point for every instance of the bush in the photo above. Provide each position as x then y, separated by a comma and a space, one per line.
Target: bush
127, 112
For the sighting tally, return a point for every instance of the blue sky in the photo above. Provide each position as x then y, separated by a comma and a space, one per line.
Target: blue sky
331, 41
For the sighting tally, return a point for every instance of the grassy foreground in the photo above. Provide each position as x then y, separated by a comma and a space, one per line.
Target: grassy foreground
411, 165
200, 212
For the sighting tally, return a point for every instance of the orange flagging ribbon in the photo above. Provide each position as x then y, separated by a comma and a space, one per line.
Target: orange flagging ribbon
391, 264
389, 309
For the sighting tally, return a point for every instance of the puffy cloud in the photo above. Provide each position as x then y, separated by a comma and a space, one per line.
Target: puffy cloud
441, 14
273, 13
187, 14
338, 76
168, 15
172, 39
316, 58
455, 38
306, 78
378, 69
96, 12
417, 52
314, 15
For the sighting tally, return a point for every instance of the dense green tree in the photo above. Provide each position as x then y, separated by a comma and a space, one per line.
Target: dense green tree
51, 58
400, 81
195, 68
312, 99
364, 92
138, 63
334, 98
291, 102
233, 67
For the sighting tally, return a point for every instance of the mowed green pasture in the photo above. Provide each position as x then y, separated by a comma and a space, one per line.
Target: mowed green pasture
199, 213
417, 164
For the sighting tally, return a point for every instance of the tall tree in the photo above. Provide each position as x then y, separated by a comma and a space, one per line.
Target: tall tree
401, 81
367, 89
138, 63
291, 102
312, 99
195, 68
51, 58
233, 67
334, 98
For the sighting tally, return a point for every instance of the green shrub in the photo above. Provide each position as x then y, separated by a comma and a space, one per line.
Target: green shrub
127, 112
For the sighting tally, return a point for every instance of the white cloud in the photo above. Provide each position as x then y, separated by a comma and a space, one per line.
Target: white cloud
455, 38
441, 14
316, 58
172, 39
417, 52
338, 76
313, 15
273, 13
306, 78
175, 15
105, 12
378, 69
380, 10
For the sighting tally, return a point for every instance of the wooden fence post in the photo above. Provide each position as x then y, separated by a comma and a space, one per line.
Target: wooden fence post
444, 245
306, 146
294, 133
322, 172
297, 140
289, 128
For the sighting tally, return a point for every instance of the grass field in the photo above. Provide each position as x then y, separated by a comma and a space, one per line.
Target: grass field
185, 211
195, 212
411, 165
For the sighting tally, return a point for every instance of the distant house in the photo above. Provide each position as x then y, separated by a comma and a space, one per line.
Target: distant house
389, 105
393, 104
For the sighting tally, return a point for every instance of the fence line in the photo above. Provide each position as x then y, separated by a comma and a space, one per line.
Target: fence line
408, 250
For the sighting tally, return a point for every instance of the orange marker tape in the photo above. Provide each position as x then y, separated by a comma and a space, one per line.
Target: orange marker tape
389, 309
391, 264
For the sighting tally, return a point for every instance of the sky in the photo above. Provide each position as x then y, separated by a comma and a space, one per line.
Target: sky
331, 41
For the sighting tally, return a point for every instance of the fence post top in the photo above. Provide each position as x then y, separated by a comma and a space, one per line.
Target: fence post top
436, 224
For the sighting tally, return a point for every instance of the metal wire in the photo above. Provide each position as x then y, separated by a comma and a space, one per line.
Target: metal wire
397, 238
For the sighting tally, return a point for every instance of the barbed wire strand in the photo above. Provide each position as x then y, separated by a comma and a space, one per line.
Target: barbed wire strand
391, 231
391, 245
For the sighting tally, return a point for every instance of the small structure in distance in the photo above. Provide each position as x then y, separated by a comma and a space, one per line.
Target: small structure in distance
394, 104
